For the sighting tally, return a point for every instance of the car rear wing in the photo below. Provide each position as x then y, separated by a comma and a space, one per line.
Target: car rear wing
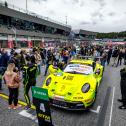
94, 58
84, 57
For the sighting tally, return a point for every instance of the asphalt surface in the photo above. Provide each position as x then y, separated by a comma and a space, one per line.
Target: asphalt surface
107, 115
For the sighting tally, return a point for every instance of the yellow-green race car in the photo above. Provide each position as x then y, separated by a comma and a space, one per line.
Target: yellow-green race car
74, 87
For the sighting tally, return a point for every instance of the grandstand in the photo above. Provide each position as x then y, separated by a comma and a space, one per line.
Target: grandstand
84, 34
22, 28
84, 37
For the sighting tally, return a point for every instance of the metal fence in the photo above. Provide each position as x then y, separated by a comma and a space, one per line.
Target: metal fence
11, 6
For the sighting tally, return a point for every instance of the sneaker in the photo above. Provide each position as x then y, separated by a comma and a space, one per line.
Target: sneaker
10, 107
15, 107
122, 107
27, 107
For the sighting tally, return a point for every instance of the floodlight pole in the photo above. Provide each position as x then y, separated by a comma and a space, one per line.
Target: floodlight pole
66, 20
66, 25
26, 5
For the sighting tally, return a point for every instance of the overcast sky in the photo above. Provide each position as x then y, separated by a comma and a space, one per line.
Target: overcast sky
92, 15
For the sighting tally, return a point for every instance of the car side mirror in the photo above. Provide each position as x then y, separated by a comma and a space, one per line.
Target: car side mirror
97, 72
52, 69
55, 67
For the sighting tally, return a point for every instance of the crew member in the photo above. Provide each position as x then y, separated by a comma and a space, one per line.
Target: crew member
29, 75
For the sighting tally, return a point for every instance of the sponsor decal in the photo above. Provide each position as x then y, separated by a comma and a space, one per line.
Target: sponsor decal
78, 97
42, 104
57, 97
79, 68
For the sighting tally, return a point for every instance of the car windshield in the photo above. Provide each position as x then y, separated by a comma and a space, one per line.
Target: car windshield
79, 69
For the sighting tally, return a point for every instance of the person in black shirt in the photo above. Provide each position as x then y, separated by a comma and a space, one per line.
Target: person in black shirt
123, 88
120, 57
109, 56
43, 56
29, 75
22, 59
50, 59
125, 56
115, 55
4, 58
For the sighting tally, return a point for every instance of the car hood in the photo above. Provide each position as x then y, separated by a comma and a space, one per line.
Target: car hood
68, 84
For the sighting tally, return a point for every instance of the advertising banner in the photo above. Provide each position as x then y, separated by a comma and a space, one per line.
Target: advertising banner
10, 41
30, 42
41, 102
42, 43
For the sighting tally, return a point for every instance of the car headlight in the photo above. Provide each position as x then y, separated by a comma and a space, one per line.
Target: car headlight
48, 81
58, 74
85, 88
97, 71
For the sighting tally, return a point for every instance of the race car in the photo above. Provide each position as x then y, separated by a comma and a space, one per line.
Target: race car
75, 87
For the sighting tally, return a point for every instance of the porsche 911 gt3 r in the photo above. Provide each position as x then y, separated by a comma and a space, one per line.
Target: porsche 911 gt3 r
76, 86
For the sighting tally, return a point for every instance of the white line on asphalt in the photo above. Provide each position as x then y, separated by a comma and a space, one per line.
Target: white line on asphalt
113, 94
27, 115
24, 113
96, 111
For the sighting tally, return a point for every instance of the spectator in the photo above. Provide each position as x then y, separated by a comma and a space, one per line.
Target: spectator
38, 61
4, 58
65, 56
104, 58
125, 57
120, 57
50, 59
22, 59
43, 56
115, 55
123, 88
109, 56
12, 81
